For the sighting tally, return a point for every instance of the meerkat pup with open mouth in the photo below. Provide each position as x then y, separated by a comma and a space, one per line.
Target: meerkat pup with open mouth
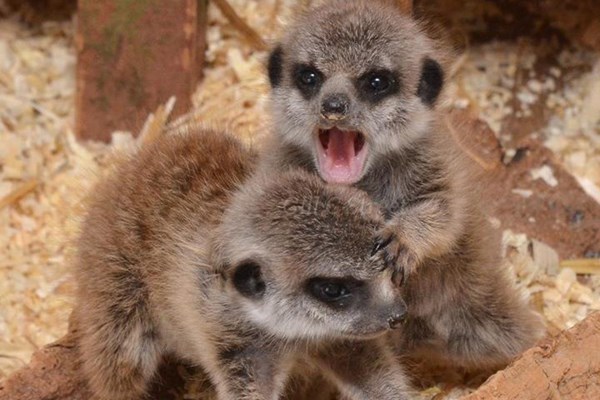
355, 86
176, 256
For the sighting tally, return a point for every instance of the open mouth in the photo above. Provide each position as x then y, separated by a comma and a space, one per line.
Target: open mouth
341, 155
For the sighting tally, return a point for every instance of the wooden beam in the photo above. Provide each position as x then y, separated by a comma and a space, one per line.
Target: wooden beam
132, 57
567, 367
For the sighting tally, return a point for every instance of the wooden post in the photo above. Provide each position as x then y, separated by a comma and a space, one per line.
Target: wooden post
201, 39
133, 55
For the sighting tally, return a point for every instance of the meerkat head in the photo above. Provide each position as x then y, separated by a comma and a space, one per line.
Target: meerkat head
352, 80
298, 260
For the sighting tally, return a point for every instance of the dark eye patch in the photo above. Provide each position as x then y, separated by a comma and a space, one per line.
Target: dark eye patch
275, 66
431, 81
339, 293
377, 84
248, 280
308, 79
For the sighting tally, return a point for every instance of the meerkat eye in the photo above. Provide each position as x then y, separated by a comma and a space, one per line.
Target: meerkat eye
377, 84
336, 292
308, 79
329, 290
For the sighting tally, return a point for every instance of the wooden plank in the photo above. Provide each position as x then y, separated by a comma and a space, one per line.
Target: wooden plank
133, 55
567, 367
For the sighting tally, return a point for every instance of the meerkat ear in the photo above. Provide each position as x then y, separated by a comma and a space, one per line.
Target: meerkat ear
247, 279
275, 66
431, 81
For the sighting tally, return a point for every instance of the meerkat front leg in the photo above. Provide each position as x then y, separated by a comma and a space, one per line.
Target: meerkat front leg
426, 228
365, 370
248, 372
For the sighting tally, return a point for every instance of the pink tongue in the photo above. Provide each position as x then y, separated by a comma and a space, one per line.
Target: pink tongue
338, 162
340, 150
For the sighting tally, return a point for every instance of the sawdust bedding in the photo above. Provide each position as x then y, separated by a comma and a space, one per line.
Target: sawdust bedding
45, 173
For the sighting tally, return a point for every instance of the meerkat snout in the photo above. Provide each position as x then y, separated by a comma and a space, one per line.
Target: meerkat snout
396, 320
335, 107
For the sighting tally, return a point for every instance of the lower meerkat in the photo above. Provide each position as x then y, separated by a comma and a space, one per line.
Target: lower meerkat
175, 257
354, 92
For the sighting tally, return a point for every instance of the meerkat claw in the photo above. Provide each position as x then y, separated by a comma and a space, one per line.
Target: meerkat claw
381, 243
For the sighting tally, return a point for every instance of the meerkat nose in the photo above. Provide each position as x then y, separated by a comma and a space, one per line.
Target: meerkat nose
335, 107
396, 320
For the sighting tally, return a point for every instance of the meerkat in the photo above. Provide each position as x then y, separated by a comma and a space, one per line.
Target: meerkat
355, 87
182, 252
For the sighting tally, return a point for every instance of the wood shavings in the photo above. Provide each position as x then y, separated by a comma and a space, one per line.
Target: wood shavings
544, 173
155, 124
487, 82
565, 301
19, 192
555, 90
42, 180
573, 132
249, 33
545, 256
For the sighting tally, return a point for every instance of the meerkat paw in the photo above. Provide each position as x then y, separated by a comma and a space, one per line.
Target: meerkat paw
397, 254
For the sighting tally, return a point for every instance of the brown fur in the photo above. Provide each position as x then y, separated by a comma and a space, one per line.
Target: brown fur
462, 304
176, 256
